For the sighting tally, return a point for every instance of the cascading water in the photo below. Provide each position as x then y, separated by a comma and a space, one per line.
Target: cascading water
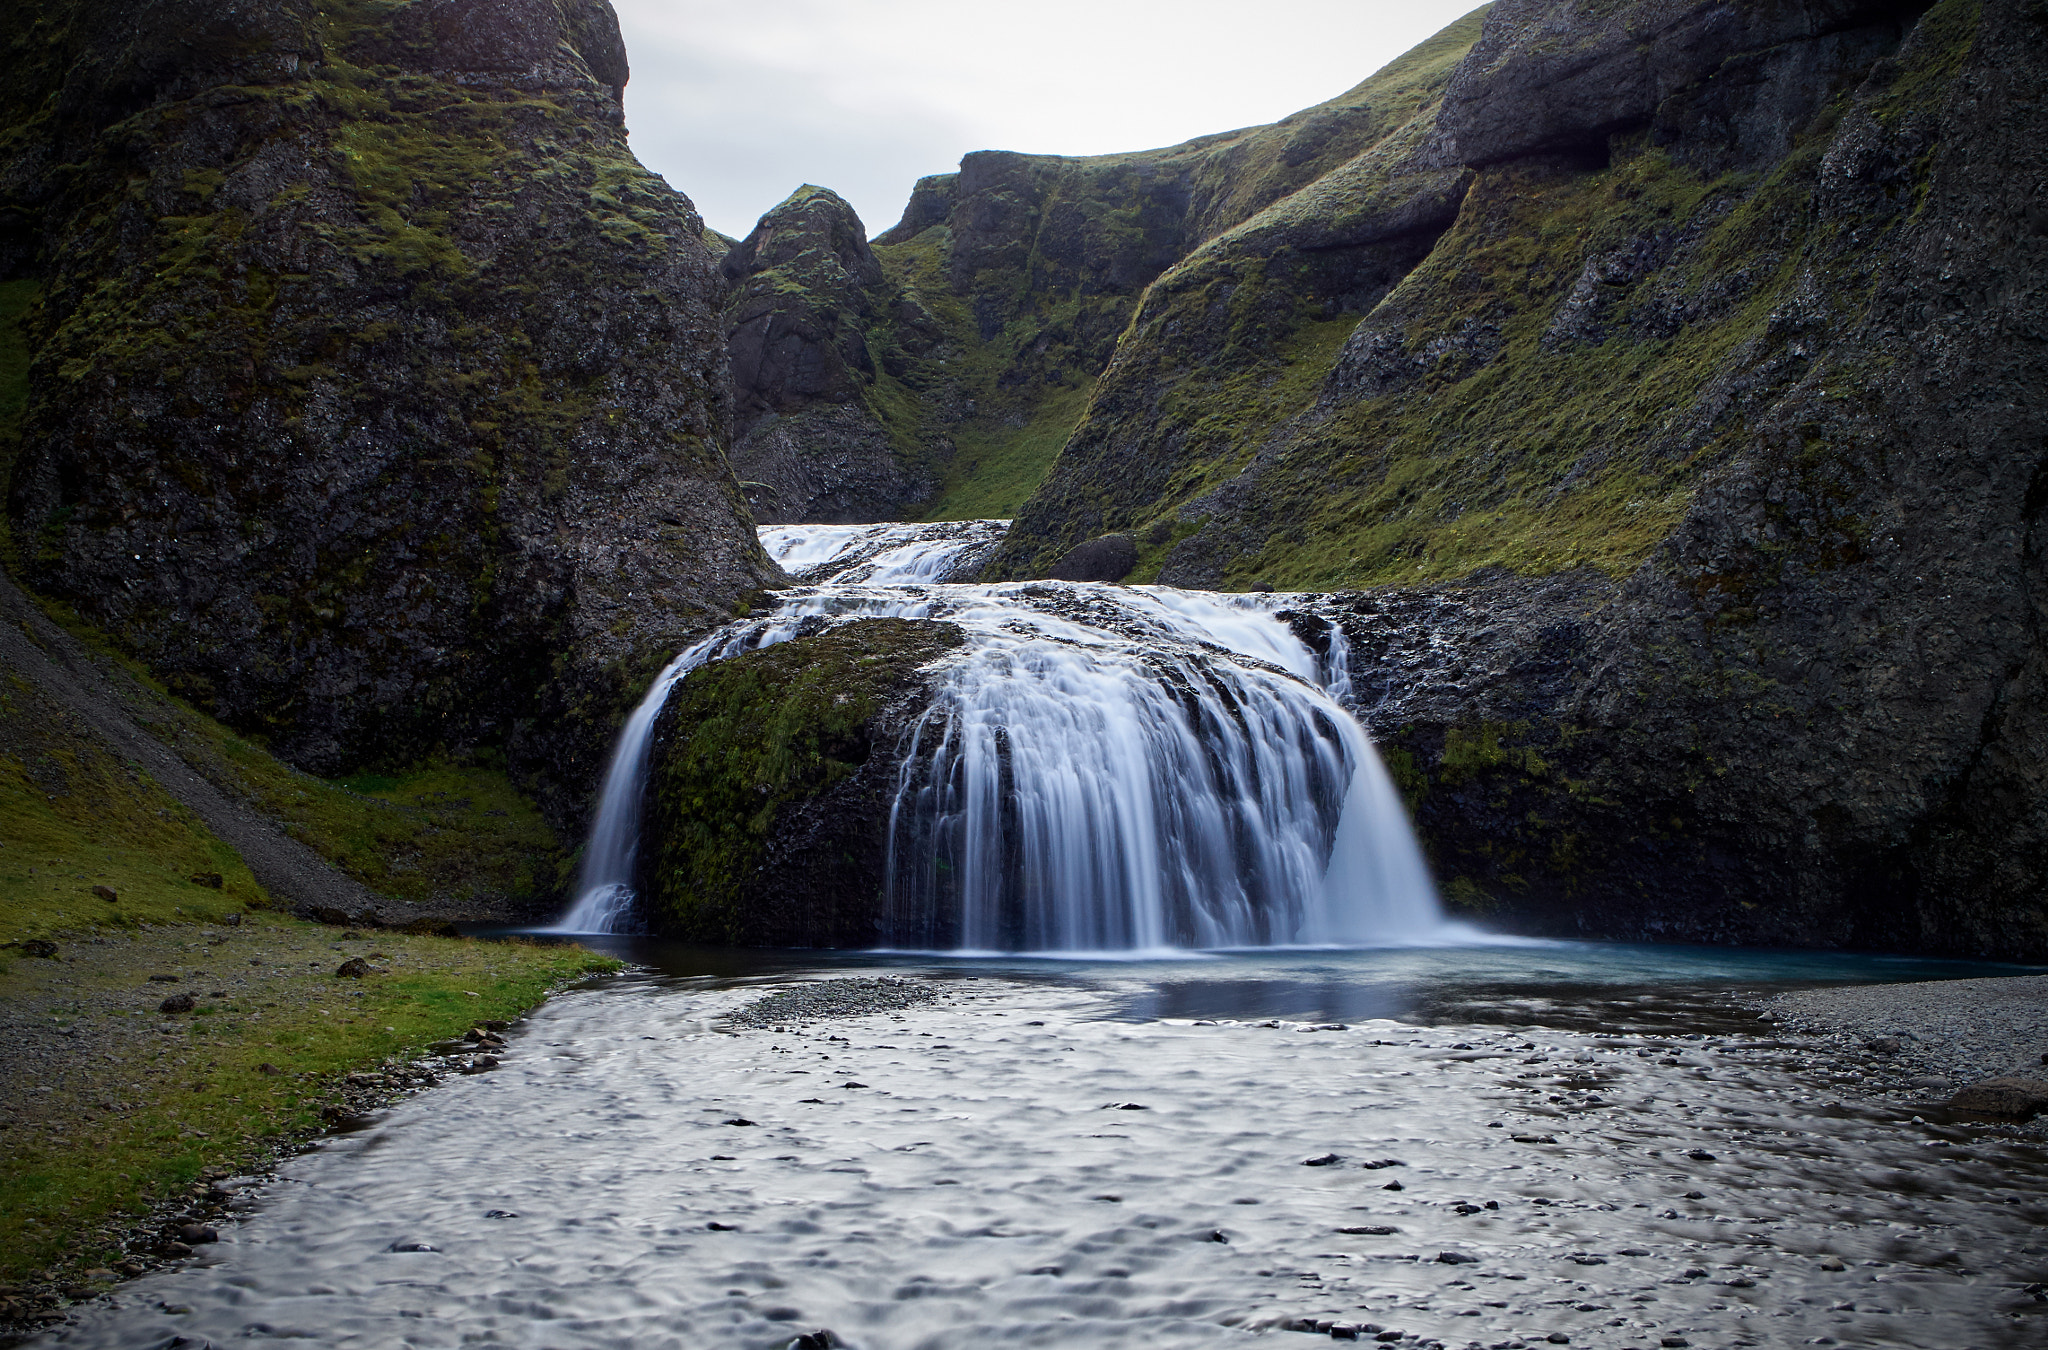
1102, 768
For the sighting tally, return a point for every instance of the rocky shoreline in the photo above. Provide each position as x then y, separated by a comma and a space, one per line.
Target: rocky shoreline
1932, 1038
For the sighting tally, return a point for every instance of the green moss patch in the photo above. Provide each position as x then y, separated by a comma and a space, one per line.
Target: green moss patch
744, 740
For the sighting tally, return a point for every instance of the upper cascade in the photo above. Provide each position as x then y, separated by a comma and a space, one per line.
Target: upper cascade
1093, 769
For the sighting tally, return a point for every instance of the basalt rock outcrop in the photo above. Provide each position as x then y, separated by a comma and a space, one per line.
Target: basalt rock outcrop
770, 781
377, 396
1739, 473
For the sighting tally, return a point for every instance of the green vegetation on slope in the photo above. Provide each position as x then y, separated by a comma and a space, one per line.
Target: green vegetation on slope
137, 1102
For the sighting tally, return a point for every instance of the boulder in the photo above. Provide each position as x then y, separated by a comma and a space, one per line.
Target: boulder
1108, 557
2015, 1098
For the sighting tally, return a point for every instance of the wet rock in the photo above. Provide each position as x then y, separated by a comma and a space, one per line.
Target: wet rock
738, 1120
1456, 1258
481, 1064
1322, 1160
1695, 1195
821, 1339
717, 1227
1833, 1264
499, 1214
1535, 1138
106, 893
175, 1249
1700, 1155
355, 968
1393, 1186
1370, 1229
2013, 1098
1383, 1162
197, 1234
408, 1245
176, 1003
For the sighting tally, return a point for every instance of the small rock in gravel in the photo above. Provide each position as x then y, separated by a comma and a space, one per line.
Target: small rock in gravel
354, 968
335, 918
2016, 1098
175, 1249
177, 1003
163, 979
107, 893
39, 947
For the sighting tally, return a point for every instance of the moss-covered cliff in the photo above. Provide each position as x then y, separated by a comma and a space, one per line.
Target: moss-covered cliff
771, 778
1671, 377
936, 373
376, 396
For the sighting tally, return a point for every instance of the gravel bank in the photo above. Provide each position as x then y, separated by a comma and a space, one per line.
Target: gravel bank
1936, 1036
834, 998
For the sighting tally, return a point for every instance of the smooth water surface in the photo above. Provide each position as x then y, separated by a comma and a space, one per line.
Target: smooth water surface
1070, 1154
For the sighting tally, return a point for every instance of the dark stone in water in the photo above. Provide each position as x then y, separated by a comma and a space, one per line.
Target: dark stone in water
197, 1234
1371, 1229
738, 1120
1695, 1195
1323, 1160
1108, 557
2016, 1098
499, 1214
1457, 1258
1383, 1162
717, 1227
1535, 1138
1700, 1155
407, 1245
821, 1339
1217, 1235
1393, 1186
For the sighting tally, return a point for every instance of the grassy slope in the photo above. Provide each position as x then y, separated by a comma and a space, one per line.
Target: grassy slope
73, 817
1553, 454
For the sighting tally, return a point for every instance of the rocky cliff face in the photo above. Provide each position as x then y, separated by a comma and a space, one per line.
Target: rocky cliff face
1655, 390
377, 398
943, 387
1731, 325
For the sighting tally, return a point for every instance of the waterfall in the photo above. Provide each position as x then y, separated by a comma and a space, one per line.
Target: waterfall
1102, 768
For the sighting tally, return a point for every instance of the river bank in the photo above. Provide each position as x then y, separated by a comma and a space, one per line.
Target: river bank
113, 1110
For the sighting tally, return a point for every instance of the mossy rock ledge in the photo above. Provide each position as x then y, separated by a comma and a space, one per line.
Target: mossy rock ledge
770, 782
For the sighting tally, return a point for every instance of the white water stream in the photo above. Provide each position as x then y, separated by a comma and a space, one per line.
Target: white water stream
1103, 769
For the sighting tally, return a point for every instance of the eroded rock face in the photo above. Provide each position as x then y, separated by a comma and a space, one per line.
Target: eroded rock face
770, 783
379, 397
807, 291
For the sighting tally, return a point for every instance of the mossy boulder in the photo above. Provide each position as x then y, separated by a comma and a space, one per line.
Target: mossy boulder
377, 398
770, 784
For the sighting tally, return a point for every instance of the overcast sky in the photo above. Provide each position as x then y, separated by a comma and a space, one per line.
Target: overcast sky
738, 103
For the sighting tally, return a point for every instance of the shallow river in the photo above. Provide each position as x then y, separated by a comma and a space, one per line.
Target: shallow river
1491, 1147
